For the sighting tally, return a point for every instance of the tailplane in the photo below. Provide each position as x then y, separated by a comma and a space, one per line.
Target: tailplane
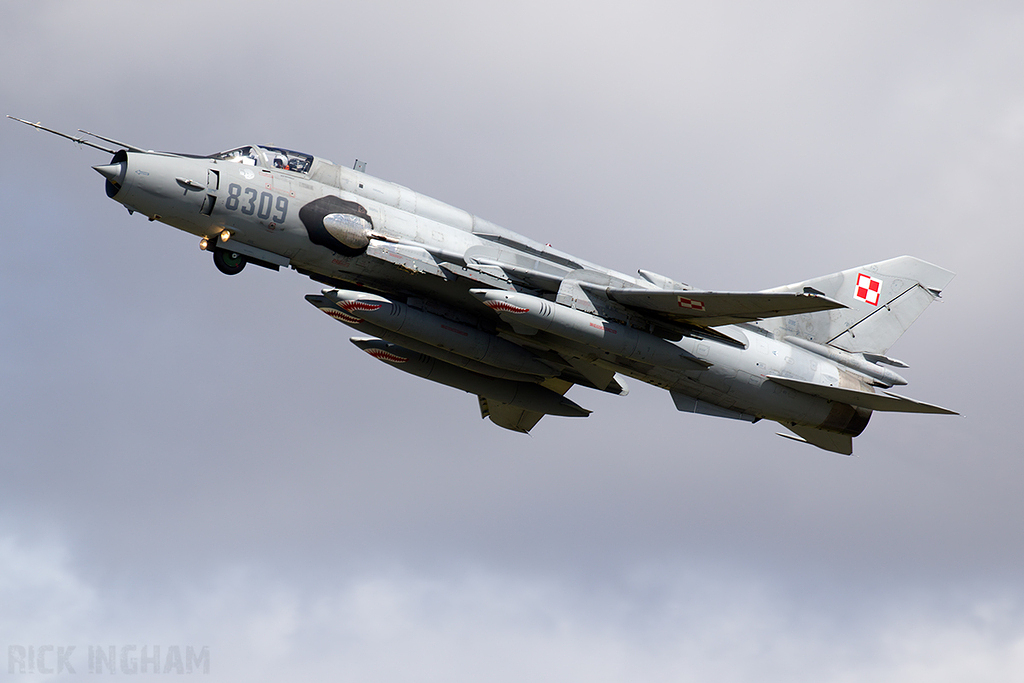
883, 299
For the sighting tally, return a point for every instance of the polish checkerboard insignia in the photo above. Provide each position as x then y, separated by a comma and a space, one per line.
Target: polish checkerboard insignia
690, 303
868, 289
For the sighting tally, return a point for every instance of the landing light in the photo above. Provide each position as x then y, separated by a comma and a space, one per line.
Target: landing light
204, 243
225, 235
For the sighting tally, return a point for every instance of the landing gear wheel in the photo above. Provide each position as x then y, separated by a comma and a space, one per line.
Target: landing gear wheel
228, 262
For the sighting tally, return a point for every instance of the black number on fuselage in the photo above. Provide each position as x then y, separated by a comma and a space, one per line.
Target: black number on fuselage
234, 192
282, 209
250, 208
267, 203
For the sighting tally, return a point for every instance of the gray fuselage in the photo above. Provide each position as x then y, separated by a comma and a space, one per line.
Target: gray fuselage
349, 229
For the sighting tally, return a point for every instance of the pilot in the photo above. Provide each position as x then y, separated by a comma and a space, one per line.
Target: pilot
281, 161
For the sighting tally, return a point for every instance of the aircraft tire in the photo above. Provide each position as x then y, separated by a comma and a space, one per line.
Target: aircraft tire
228, 262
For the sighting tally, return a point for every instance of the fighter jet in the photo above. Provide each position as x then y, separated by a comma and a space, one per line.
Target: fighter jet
450, 297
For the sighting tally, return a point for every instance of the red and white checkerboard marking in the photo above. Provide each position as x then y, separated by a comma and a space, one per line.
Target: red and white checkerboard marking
868, 289
690, 303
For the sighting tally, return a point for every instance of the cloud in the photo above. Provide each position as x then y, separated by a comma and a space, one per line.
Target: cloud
678, 623
190, 458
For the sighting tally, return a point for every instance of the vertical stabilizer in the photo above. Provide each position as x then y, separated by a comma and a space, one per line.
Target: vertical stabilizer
883, 300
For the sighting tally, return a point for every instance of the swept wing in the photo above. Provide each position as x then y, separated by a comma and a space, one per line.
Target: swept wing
710, 309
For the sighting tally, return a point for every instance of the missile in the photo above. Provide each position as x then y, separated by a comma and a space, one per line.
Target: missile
525, 395
332, 310
439, 332
587, 329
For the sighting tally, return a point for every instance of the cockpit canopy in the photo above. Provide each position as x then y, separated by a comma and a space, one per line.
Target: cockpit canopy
267, 157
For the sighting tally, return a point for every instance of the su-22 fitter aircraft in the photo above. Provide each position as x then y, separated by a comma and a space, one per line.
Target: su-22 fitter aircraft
444, 295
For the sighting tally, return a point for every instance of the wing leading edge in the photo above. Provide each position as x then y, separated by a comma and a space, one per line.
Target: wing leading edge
711, 309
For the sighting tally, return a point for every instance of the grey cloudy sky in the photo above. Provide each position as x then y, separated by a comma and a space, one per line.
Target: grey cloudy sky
192, 459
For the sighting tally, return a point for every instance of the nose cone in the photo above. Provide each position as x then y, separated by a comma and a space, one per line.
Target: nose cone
112, 172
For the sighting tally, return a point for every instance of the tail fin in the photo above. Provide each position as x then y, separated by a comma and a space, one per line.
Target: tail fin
883, 300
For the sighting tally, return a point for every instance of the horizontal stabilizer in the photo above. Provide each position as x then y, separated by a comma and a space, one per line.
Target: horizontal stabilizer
720, 308
829, 441
884, 402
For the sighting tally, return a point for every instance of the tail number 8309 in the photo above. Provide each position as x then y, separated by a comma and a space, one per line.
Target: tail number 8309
249, 201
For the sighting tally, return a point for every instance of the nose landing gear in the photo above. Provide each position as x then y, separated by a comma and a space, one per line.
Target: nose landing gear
228, 262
